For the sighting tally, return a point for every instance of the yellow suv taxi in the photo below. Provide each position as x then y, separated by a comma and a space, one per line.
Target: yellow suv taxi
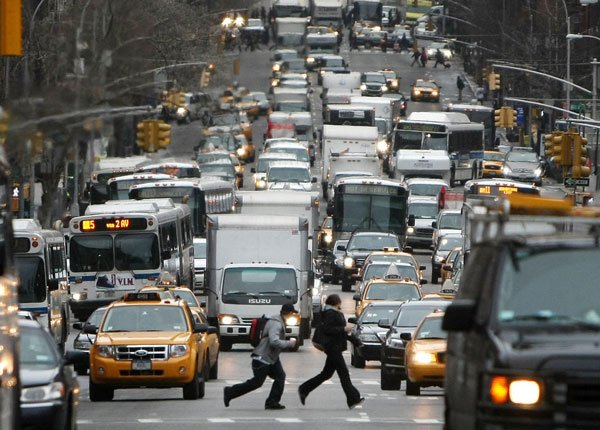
144, 341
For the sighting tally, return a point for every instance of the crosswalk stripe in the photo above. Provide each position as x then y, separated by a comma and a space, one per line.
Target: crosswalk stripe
220, 420
427, 421
149, 420
289, 420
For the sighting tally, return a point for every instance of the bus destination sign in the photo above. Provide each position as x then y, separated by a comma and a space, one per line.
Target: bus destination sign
113, 224
420, 126
370, 189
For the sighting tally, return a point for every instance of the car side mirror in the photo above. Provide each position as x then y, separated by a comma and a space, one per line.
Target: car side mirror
212, 330
406, 336
459, 315
90, 329
78, 325
409, 249
422, 268
200, 328
76, 357
447, 267
353, 320
252, 170
411, 220
434, 224
384, 323
423, 282
53, 284
356, 297
341, 248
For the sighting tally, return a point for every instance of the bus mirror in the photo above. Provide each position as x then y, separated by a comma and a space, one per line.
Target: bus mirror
166, 255
411, 220
53, 284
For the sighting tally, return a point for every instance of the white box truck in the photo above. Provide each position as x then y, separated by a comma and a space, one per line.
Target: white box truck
255, 264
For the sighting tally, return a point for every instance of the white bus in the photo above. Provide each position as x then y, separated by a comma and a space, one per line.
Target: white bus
108, 168
118, 188
204, 196
291, 8
120, 246
174, 168
41, 263
445, 145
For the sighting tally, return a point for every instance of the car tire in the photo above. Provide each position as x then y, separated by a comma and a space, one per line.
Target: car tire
412, 389
356, 360
203, 379
435, 274
389, 382
81, 370
214, 370
191, 390
100, 393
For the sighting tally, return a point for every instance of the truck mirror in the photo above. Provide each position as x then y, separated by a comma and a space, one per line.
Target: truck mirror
434, 224
411, 220
405, 336
459, 315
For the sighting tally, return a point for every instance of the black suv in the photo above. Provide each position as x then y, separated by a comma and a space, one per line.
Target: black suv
406, 320
524, 330
359, 246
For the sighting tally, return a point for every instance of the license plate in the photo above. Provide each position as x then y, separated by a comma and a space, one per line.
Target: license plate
141, 365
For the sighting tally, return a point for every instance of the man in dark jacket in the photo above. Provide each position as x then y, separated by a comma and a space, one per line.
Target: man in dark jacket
265, 362
336, 331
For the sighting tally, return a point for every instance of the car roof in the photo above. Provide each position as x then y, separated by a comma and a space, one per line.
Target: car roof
426, 303
423, 199
411, 181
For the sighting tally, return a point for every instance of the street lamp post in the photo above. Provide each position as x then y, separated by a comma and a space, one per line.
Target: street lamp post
594, 63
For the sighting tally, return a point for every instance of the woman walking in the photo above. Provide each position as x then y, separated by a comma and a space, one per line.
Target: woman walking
336, 334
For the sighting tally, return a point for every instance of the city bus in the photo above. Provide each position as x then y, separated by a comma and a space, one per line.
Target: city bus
118, 188
349, 114
41, 263
368, 12
369, 204
446, 145
204, 196
291, 8
123, 245
106, 169
173, 168
478, 113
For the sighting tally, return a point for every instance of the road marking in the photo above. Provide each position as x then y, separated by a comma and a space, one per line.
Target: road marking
427, 421
149, 420
289, 420
84, 422
220, 420
358, 420
371, 382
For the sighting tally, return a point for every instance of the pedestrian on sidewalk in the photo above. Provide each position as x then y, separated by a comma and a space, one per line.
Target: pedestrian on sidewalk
336, 332
416, 54
265, 362
460, 85
480, 95
424, 57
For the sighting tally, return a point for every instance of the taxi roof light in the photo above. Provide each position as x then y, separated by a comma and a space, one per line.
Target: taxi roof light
142, 297
391, 249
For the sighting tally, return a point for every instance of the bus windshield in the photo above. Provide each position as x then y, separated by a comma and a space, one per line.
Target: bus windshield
32, 279
136, 251
377, 213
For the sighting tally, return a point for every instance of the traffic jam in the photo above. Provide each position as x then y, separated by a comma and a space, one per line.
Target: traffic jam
467, 273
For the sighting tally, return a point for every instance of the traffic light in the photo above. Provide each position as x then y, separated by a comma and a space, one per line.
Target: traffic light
558, 148
580, 168
499, 117
205, 78
37, 144
510, 117
163, 134
143, 135
494, 81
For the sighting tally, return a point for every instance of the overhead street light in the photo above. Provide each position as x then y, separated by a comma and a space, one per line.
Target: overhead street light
595, 63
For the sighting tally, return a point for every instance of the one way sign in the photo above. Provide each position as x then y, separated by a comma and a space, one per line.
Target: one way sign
576, 182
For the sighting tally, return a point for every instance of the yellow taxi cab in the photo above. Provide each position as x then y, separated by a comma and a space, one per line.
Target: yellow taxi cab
391, 287
448, 263
326, 233
424, 89
396, 256
425, 357
492, 164
245, 151
143, 341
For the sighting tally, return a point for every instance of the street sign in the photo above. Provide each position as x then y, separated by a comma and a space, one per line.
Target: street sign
520, 116
576, 182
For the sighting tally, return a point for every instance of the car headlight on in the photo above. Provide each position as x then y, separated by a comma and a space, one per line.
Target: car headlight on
241, 151
410, 230
384, 88
382, 146
517, 391
315, 291
322, 72
327, 238
43, 393
416, 92
363, 87
368, 337
106, 351
274, 82
276, 67
310, 60
79, 296
260, 184
178, 350
538, 171
181, 111
304, 75
226, 319
348, 263
506, 170
424, 357
434, 93
292, 320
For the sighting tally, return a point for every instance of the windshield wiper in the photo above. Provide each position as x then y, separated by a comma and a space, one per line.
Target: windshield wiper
276, 293
240, 293
574, 322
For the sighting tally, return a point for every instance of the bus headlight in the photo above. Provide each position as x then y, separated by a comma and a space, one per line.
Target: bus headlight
348, 263
226, 319
382, 146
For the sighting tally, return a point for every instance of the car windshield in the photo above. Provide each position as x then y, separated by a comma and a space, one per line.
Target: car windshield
32, 279
220, 169
373, 314
534, 287
301, 153
295, 65
451, 221
411, 316
291, 106
144, 318
199, 249
375, 78
522, 157
379, 270
226, 119
426, 84
36, 349
96, 317
392, 291
446, 243
288, 174
373, 242
333, 62
423, 210
494, 156
392, 258
431, 329
425, 189
256, 286
186, 296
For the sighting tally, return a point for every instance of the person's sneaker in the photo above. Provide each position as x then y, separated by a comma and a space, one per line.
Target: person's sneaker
226, 396
302, 397
360, 402
275, 406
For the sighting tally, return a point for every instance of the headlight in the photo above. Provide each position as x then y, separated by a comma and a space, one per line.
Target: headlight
241, 151
228, 319
181, 111
348, 263
276, 67
384, 88
322, 72
106, 351
538, 171
506, 170
304, 75
79, 296
260, 184
327, 238
394, 83
382, 146
410, 230
416, 92
368, 337
81, 343
363, 87
178, 350
44, 393
518, 391
434, 93
274, 82
293, 320
310, 60
424, 358
314, 291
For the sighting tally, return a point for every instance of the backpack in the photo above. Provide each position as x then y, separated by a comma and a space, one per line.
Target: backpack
257, 329
320, 340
